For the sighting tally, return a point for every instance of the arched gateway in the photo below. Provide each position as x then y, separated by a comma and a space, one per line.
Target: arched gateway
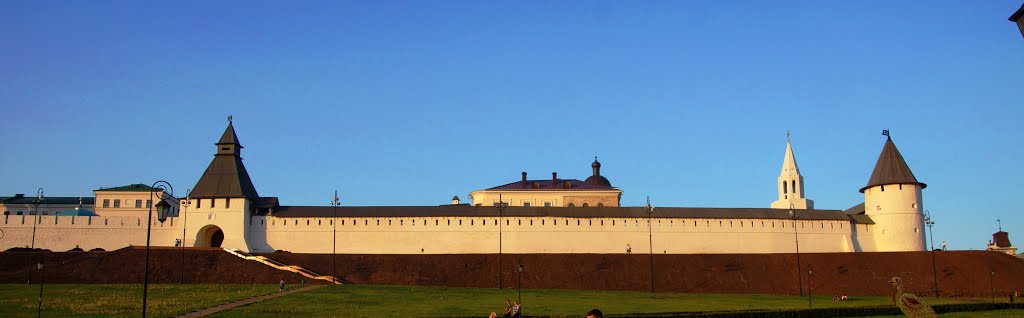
210, 236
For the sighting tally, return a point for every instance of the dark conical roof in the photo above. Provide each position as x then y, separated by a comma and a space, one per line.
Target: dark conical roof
226, 176
229, 137
891, 169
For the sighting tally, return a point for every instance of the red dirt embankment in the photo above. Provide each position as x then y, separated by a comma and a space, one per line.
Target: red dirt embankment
125, 266
960, 273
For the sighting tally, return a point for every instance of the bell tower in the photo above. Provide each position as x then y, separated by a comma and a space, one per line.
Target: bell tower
791, 183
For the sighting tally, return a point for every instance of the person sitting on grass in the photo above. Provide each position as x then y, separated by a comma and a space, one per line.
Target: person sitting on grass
493, 315
595, 313
515, 310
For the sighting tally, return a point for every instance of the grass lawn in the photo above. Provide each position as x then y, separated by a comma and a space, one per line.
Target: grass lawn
978, 314
20, 300
418, 301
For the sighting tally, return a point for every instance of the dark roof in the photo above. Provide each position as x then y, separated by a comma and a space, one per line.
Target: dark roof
266, 202
546, 185
137, 187
589, 212
598, 181
856, 209
1017, 15
1001, 239
891, 168
22, 199
226, 176
229, 137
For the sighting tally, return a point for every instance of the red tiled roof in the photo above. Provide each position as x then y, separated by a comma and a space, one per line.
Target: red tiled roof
546, 185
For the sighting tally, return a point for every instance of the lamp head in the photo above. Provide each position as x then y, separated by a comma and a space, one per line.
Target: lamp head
163, 210
520, 268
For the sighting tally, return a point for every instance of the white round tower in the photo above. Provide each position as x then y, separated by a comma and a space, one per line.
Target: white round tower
892, 199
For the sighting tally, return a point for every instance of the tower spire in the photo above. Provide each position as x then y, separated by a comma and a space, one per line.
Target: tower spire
791, 182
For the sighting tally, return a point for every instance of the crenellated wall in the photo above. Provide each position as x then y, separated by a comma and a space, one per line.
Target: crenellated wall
451, 235
62, 233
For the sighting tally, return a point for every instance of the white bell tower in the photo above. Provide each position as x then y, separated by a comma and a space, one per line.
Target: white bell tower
791, 183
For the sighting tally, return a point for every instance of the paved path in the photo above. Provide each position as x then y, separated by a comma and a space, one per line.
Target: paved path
248, 301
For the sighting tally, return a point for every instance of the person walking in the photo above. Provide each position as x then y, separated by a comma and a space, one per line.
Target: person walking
280, 286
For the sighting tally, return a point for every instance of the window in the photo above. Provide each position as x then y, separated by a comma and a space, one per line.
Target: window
585, 205
600, 204
213, 203
526, 204
199, 203
792, 185
227, 204
149, 204
117, 203
913, 205
138, 204
572, 205
784, 188
106, 203
547, 204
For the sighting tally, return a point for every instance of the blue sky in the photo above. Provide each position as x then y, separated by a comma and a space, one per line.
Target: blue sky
412, 102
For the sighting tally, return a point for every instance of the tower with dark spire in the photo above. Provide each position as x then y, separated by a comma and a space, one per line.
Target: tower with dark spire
223, 199
226, 176
892, 198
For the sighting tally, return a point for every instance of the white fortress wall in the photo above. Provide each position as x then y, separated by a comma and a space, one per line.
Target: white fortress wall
480, 235
62, 233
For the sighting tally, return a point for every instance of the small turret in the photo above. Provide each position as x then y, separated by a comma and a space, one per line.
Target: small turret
597, 179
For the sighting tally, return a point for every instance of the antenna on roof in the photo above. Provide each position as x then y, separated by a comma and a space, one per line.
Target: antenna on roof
229, 119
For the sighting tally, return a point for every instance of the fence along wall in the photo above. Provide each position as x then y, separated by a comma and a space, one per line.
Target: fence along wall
480, 235
62, 233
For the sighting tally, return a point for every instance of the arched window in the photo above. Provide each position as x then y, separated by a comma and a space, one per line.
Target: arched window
792, 185
785, 189
585, 205
571, 205
600, 204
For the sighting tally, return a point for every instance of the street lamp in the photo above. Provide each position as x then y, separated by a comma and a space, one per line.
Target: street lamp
36, 203
520, 288
810, 272
334, 238
42, 275
650, 237
796, 237
501, 209
163, 210
991, 285
188, 202
930, 223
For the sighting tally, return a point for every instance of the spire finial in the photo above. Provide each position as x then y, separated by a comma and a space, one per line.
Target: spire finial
229, 119
787, 136
1000, 222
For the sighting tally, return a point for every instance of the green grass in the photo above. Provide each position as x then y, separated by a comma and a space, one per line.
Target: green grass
975, 314
19, 300
419, 301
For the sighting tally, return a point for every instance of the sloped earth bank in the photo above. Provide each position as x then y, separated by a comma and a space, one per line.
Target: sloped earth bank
960, 273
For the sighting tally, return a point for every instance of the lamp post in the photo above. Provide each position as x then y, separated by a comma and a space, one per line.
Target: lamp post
501, 209
796, 238
334, 238
520, 288
930, 223
163, 210
810, 272
188, 202
42, 275
991, 285
32, 250
650, 237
